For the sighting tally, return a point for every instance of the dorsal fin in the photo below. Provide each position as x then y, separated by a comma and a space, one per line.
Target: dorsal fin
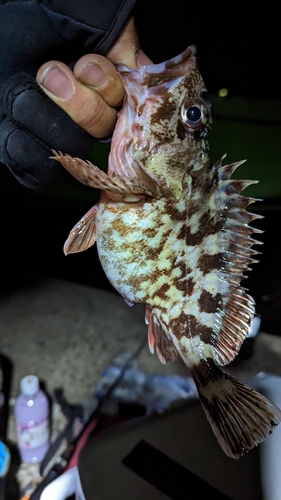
235, 242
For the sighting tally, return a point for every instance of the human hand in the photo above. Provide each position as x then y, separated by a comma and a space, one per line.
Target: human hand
92, 92
32, 33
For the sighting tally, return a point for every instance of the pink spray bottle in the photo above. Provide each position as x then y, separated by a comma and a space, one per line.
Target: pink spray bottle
32, 420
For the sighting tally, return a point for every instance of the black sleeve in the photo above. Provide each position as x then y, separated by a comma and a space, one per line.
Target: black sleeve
31, 33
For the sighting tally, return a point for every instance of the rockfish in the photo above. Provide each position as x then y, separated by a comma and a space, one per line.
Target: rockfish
172, 232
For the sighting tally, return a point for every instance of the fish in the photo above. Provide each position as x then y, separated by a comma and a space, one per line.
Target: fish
173, 232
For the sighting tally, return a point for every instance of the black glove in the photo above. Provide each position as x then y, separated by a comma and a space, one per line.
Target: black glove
32, 33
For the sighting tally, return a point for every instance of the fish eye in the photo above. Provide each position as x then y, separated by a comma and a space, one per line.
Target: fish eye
194, 114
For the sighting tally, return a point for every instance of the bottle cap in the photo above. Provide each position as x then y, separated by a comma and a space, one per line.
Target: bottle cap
29, 385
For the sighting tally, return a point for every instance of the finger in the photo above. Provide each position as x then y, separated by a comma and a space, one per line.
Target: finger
85, 106
100, 75
126, 49
142, 59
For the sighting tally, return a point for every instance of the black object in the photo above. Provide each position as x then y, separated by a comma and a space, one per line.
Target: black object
71, 412
2, 485
269, 307
32, 33
247, 349
167, 475
5, 387
174, 454
8, 485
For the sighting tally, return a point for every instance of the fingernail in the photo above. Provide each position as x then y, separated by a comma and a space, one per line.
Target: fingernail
93, 75
55, 81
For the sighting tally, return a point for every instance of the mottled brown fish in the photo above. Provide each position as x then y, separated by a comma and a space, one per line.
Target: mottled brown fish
173, 233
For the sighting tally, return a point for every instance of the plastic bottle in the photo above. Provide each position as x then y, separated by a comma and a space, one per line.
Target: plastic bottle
32, 420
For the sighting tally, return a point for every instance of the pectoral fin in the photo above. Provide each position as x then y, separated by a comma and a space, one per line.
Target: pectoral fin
83, 235
118, 188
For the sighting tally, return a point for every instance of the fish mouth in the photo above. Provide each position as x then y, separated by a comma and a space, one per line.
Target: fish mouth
153, 74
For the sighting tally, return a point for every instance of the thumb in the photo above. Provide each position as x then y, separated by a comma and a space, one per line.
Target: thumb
126, 49
142, 59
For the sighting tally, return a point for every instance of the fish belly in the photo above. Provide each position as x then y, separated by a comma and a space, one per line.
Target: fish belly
146, 257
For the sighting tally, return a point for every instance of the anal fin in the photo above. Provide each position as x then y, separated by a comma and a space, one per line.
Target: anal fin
157, 338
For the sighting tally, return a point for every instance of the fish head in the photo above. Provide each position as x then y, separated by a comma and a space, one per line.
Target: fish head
162, 126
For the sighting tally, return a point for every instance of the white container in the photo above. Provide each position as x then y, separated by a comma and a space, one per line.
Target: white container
32, 420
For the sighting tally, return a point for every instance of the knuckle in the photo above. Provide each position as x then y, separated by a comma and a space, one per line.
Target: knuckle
96, 117
91, 113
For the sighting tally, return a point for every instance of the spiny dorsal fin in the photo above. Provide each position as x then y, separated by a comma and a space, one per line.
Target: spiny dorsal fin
235, 240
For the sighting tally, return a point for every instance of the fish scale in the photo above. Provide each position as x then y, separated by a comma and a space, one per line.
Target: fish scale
172, 232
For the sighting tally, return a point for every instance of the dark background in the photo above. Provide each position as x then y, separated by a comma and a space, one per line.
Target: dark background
238, 48
238, 42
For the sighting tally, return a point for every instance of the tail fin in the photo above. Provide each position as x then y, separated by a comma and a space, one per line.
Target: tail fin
240, 417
